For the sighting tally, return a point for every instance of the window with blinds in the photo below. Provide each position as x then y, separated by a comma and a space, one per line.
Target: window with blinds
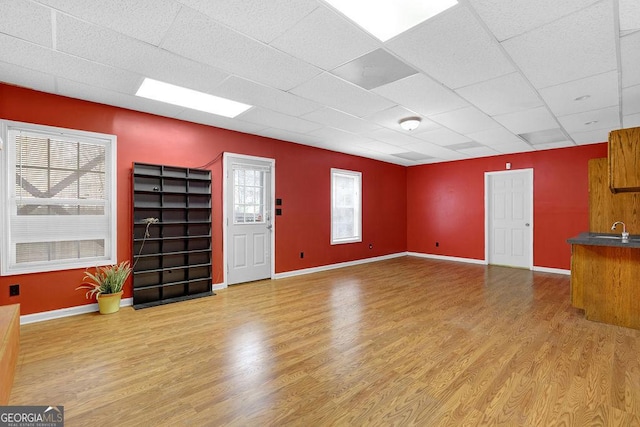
346, 202
59, 194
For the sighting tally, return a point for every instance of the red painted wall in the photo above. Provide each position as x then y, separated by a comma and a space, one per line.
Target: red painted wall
445, 203
302, 182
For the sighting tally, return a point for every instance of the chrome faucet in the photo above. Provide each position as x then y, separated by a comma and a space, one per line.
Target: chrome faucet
625, 235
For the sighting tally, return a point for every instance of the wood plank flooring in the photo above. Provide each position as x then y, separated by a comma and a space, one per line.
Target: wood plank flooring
407, 341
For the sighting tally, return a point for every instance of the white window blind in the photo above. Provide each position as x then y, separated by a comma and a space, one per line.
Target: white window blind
59, 189
249, 194
346, 202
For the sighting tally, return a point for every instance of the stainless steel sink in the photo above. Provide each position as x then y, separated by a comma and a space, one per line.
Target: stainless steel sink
600, 236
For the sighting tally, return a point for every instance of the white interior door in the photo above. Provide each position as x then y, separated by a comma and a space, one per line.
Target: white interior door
510, 218
249, 224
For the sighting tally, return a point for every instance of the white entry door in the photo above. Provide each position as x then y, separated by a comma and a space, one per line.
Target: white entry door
249, 227
509, 216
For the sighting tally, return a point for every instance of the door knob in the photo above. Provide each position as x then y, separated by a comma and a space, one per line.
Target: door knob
527, 224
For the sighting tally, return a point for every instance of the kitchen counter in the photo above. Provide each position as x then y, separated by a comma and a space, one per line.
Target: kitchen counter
605, 239
604, 278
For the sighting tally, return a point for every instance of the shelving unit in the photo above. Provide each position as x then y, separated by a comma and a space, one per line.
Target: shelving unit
173, 263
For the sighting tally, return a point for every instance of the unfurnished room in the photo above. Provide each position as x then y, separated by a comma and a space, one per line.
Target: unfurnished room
319, 213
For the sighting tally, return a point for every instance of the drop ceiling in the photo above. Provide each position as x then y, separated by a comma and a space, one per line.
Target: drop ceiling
486, 77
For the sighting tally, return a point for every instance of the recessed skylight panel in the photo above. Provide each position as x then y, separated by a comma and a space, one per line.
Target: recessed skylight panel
386, 19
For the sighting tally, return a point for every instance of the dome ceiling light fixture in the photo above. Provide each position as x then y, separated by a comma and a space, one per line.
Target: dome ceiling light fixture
410, 123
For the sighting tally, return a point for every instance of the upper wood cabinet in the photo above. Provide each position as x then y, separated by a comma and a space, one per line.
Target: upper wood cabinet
624, 160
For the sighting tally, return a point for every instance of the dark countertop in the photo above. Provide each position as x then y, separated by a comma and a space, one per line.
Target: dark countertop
605, 239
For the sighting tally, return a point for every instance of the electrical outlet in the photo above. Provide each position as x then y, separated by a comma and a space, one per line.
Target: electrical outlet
14, 290
301, 255
370, 245
437, 244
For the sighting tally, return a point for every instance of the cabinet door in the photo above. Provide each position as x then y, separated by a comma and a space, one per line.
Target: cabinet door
624, 158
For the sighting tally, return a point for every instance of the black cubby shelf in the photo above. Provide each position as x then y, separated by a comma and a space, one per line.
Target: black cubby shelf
173, 262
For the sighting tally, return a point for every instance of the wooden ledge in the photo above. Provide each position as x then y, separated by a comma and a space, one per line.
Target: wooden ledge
9, 348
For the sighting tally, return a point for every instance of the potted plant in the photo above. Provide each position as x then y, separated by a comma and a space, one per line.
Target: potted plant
105, 285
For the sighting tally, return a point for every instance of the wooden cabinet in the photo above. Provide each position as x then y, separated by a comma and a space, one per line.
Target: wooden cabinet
171, 234
605, 207
624, 160
604, 284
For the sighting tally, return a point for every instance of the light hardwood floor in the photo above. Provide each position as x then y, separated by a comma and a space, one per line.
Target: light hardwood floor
407, 341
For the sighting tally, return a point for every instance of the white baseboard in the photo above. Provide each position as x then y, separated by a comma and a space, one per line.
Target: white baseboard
448, 258
483, 262
218, 286
335, 266
66, 312
552, 270
90, 308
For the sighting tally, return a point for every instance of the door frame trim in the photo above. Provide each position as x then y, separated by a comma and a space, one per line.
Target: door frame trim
226, 157
487, 201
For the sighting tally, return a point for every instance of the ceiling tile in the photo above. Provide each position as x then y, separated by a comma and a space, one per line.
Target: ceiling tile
270, 118
629, 11
509, 18
298, 138
391, 117
91, 93
495, 136
382, 147
479, 152
549, 146
436, 151
336, 93
374, 69
576, 46
94, 74
105, 46
252, 93
630, 59
590, 137
631, 121
218, 121
326, 32
631, 100
262, 20
515, 147
459, 52
422, 95
201, 39
465, 120
528, 121
146, 20
338, 119
601, 89
504, 94
411, 155
26, 20
442, 137
27, 78
546, 136
606, 118
391, 137
24, 54
338, 137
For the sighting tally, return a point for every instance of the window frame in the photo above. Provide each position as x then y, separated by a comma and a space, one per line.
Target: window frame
357, 215
8, 266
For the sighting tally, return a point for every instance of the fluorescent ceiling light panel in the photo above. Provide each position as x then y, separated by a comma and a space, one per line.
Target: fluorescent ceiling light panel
177, 95
388, 18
